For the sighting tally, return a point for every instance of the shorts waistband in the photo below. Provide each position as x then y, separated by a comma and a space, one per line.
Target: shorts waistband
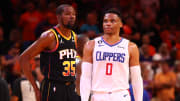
67, 83
109, 92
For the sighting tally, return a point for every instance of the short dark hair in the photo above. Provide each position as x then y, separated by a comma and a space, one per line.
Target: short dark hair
113, 10
60, 9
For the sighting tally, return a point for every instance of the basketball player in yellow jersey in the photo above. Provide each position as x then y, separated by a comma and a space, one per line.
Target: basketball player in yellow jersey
107, 62
57, 48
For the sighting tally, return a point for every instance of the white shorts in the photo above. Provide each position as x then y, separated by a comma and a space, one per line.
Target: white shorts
122, 95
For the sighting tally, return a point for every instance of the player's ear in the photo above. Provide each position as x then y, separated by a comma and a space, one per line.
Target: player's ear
58, 16
121, 24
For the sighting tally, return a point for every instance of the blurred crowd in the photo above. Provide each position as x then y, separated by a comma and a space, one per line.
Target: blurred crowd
154, 25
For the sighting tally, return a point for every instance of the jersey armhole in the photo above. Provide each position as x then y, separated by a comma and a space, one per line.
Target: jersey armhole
75, 38
57, 42
94, 48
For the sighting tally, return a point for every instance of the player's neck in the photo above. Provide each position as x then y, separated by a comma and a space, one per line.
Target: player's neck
66, 32
111, 39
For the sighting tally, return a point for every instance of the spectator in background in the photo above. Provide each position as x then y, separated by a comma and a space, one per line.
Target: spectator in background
174, 50
8, 61
46, 24
131, 23
49, 21
177, 71
34, 64
165, 83
146, 25
129, 28
146, 40
178, 81
148, 75
178, 46
156, 60
4, 91
15, 36
150, 27
1, 40
150, 3
145, 54
151, 14
146, 22
4, 44
23, 90
90, 27
136, 38
164, 52
28, 22
146, 61
166, 38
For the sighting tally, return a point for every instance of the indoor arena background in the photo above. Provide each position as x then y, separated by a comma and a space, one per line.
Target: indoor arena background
154, 25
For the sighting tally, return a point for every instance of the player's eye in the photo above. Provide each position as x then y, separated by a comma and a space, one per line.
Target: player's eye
105, 21
66, 13
74, 14
113, 21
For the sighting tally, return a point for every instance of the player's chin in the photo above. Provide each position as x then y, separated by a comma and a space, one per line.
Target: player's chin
70, 25
107, 31
71, 22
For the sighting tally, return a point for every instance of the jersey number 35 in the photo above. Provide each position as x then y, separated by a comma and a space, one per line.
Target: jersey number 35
69, 68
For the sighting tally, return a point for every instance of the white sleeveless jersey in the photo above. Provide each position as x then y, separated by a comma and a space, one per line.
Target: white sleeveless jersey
110, 66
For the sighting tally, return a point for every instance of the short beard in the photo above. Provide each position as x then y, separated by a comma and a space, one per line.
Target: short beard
69, 26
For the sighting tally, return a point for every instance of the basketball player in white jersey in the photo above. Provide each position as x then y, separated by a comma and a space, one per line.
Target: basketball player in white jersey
107, 63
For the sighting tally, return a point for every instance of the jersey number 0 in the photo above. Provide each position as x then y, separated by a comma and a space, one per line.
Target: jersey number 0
109, 68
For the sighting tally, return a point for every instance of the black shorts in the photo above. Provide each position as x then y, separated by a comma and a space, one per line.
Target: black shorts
58, 91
